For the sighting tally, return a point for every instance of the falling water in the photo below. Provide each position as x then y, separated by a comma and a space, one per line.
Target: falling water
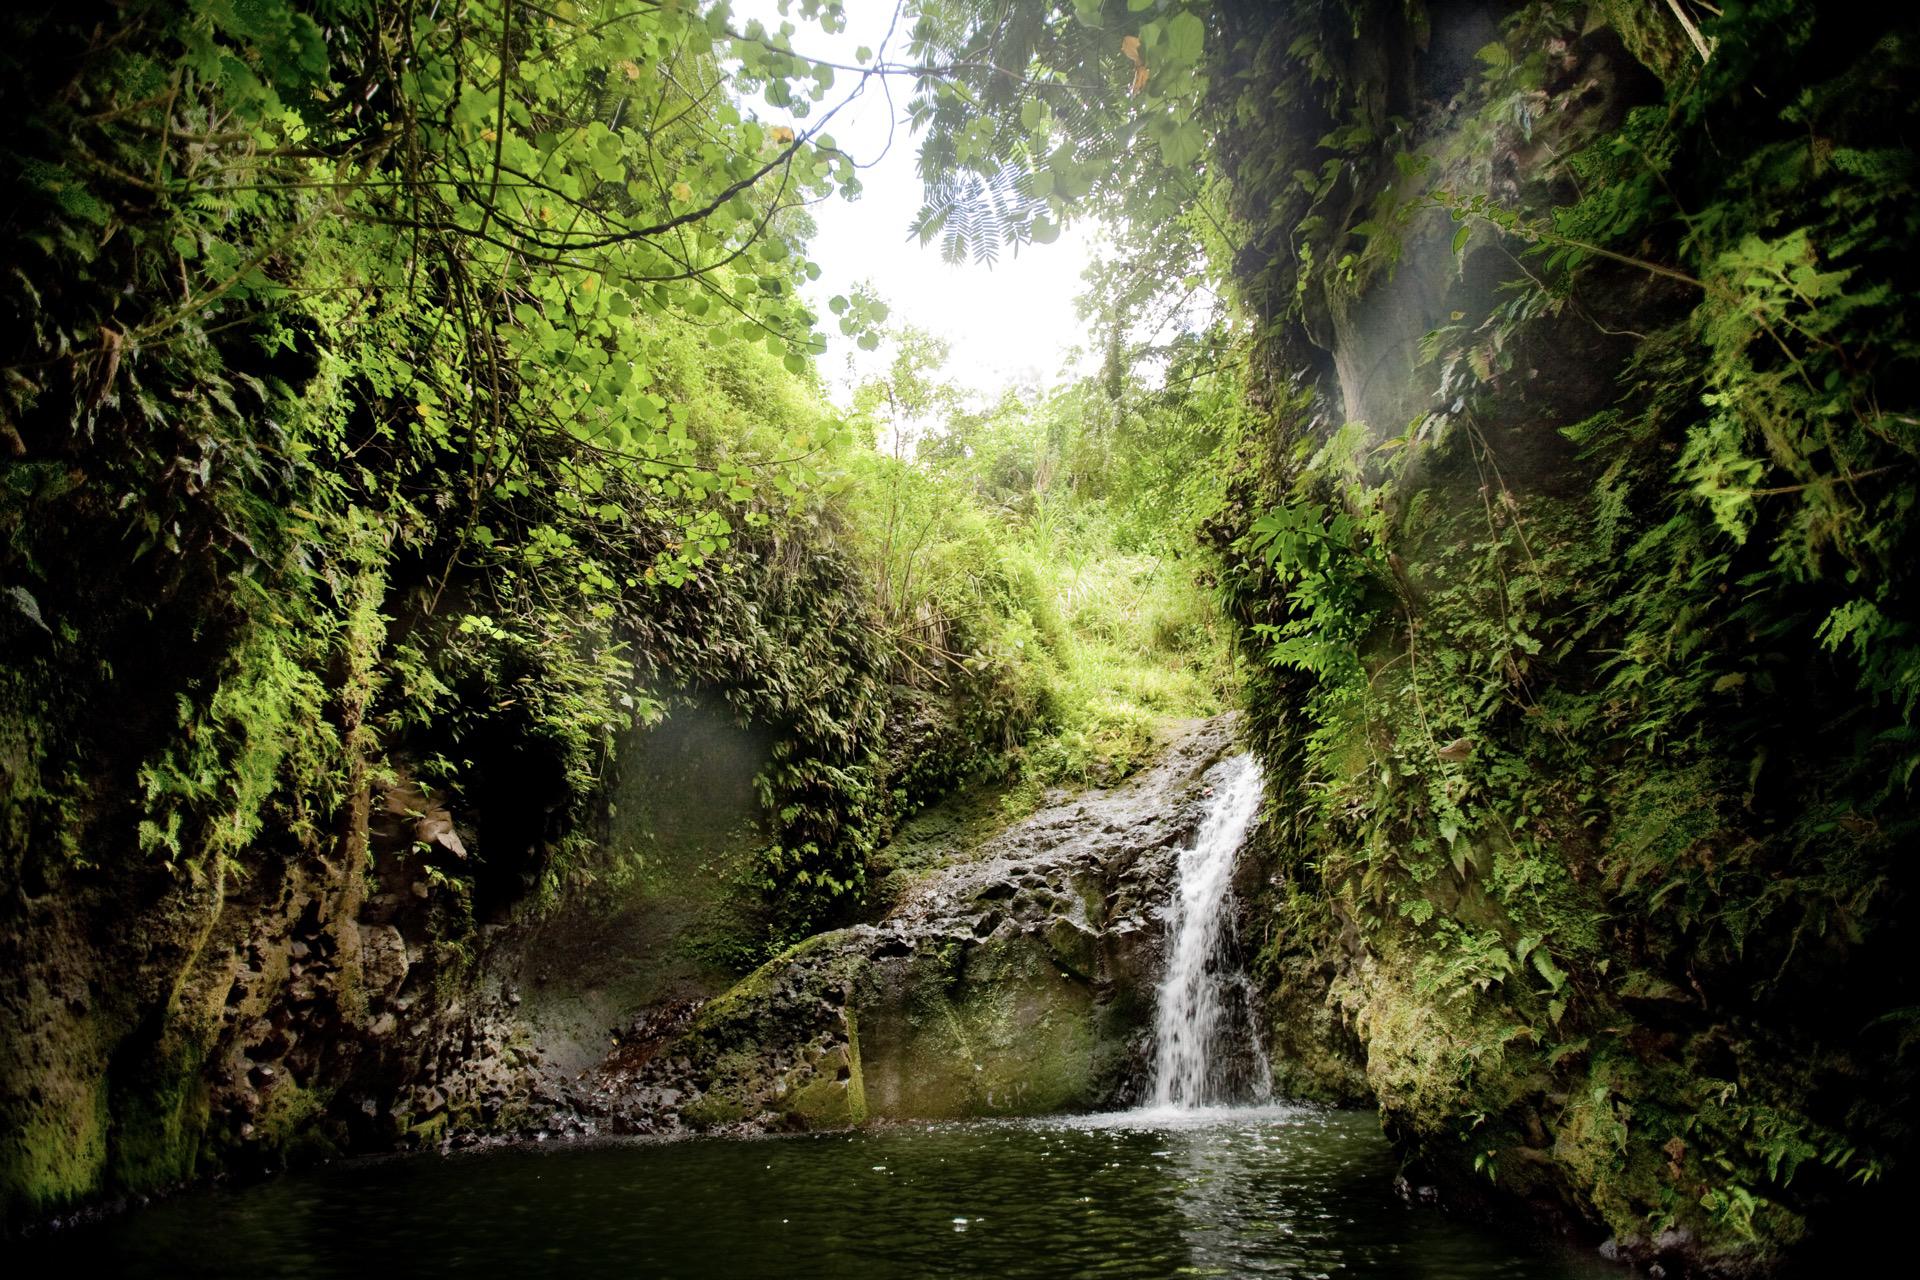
1201, 978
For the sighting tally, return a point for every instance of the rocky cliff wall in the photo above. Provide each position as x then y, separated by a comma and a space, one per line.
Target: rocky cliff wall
1584, 860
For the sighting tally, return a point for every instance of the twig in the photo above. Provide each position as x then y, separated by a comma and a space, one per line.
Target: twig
1702, 45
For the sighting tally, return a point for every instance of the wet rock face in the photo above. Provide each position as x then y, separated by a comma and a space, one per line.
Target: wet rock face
311, 1006
1015, 977
296, 1008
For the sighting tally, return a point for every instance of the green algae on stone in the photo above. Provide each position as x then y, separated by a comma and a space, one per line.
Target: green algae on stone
58, 1156
1000, 1029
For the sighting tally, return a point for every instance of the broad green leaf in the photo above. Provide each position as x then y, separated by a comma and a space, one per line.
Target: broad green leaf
1185, 37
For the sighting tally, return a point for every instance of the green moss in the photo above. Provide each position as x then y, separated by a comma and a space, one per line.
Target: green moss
791, 1009
752, 991
159, 1115
832, 1094
58, 1156
1587, 755
427, 1132
997, 1029
715, 1110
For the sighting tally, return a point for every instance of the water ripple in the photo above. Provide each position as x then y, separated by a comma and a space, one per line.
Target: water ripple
1270, 1191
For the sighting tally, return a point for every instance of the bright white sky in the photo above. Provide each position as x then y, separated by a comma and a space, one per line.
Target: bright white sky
1010, 324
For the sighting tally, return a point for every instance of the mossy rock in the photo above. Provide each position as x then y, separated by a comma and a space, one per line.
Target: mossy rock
159, 1117
60, 1154
1001, 1028
781, 1046
834, 1093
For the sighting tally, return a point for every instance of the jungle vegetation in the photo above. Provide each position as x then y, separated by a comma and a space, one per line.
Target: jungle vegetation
398, 387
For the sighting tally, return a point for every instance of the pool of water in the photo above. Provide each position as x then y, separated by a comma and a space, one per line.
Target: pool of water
1276, 1191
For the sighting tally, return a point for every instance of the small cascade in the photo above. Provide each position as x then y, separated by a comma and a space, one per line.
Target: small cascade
1204, 997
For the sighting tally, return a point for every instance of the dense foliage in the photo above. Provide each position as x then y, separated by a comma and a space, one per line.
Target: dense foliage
1055, 532
1589, 680
417, 377
367, 327
417, 403
420, 400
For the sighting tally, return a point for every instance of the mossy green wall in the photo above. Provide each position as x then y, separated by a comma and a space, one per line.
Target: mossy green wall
1585, 848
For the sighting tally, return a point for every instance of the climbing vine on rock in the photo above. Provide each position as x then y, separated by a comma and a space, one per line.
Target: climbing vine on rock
1578, 567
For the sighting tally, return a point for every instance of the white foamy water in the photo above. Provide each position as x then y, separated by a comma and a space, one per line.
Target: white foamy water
1193, 1014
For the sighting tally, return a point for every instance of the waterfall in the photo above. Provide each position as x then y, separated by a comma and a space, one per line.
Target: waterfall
1202, 983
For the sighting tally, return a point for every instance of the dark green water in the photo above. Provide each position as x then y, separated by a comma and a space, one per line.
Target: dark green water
1275, 1192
